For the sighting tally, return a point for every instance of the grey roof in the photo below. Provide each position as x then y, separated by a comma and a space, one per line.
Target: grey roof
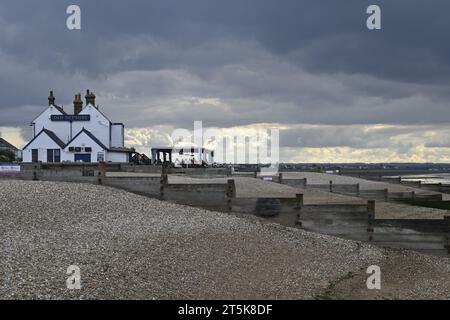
52, 136
4, 143
55, 138
94, 138
122, 149
60, 109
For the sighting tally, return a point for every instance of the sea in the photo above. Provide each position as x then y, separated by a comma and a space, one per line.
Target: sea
443, 178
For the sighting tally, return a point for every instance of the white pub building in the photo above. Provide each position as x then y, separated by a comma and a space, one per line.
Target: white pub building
87, 135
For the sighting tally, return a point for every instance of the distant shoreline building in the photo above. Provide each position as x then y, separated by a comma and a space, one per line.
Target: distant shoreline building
87, 135
5, 145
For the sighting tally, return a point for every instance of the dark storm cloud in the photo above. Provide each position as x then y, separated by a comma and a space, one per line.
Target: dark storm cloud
232, 63
327, 36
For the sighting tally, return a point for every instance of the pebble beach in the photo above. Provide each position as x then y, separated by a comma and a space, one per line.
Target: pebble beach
132, 247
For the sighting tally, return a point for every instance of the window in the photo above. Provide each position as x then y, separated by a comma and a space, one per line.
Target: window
49, 155
34, 155
57, 154
53, 155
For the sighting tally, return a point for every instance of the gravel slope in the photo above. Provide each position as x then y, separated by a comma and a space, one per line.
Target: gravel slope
403, 276
129, 246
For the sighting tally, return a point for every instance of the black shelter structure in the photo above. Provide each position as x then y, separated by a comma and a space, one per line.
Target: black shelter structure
165, 154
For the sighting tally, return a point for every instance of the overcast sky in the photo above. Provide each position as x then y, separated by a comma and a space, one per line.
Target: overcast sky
338, 91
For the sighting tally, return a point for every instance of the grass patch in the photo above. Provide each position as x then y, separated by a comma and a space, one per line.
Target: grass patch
329, 294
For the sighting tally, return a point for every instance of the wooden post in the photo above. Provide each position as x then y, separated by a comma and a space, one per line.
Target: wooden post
331, 186
370, 217
400, 180
163, 181
37, 171
280, 177
413, 195
386, 194
164, 177
161, 190
101, 173
447, 238
357, 190
305, 182
299, 197
255, 174
231, 193
99, 177
165, 169
298, 220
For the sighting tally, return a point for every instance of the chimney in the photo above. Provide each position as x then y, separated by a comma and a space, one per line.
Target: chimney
90, 98
77, 104
51, 99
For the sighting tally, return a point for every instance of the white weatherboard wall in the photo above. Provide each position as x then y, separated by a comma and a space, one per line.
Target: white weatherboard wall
117, 132
98, 125
61, 129
42, 143
83, 140
117, 157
